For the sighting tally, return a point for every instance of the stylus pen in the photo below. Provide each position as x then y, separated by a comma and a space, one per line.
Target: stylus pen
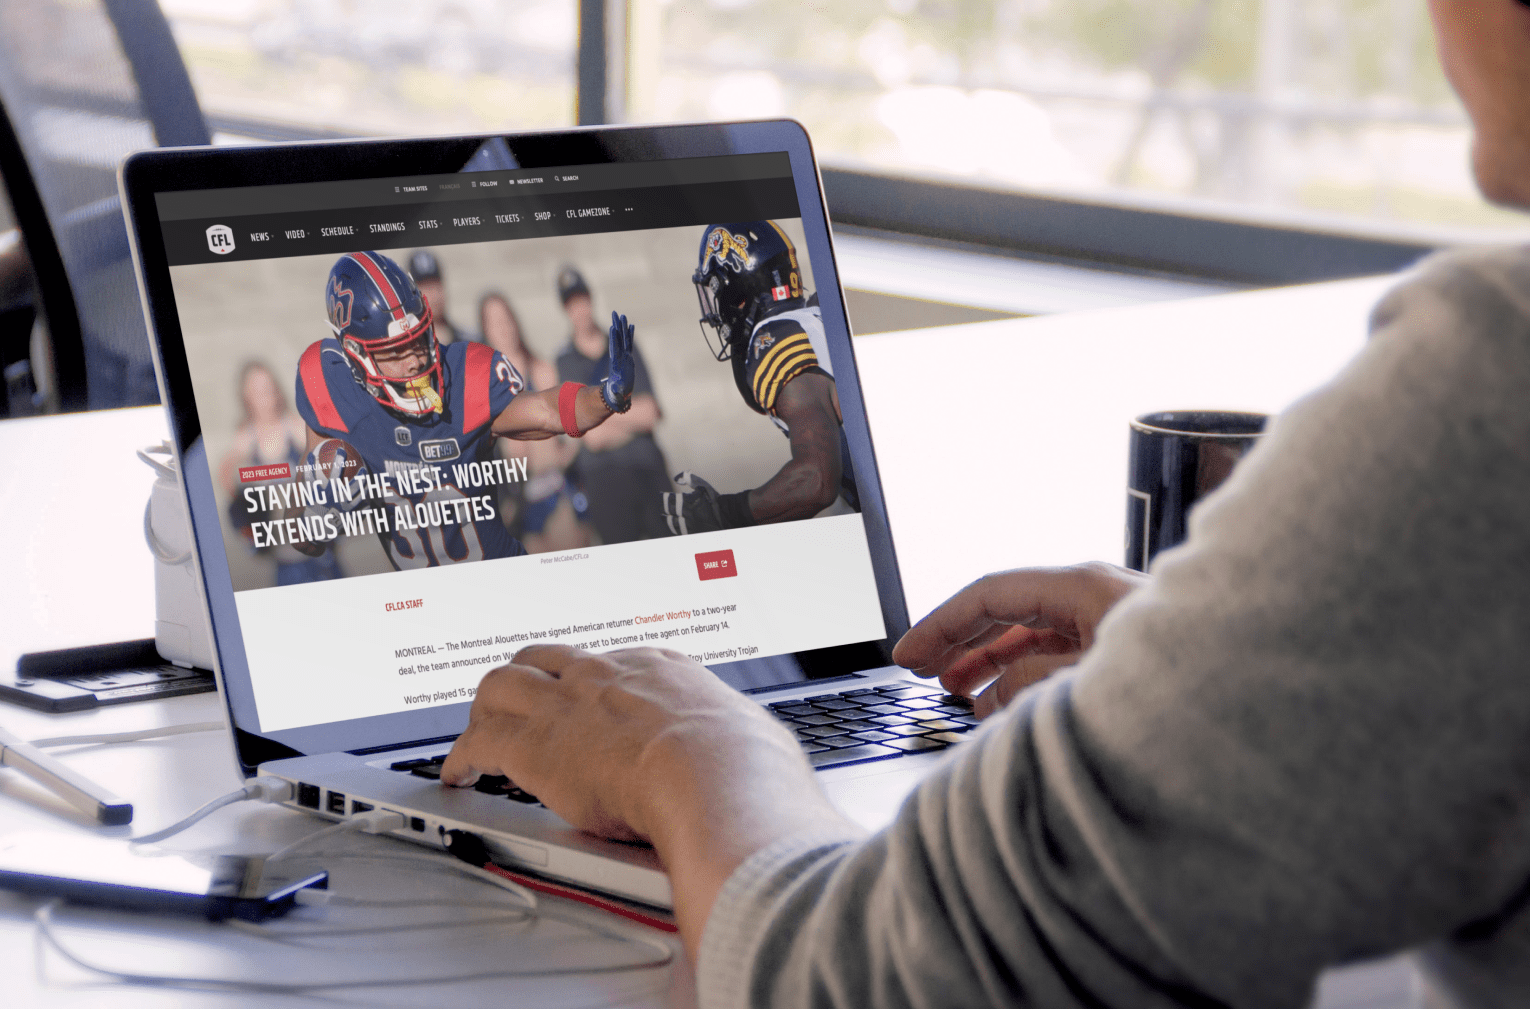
71, 786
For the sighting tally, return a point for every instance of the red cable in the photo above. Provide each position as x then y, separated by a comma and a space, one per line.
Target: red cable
542, 886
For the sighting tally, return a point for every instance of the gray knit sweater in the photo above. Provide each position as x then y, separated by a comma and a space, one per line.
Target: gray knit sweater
1307, 742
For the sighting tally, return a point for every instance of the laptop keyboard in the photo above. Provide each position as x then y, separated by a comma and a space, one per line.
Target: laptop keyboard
875, 723
850, 727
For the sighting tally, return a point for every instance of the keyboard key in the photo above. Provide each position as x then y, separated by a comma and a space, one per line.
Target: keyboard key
792, 723
819, 719
795, 709
883, 709
823, 697
521, 795
814, 748
914, 703
492, 784
839, 742
957, 700
853, 755
858, 693
873, 735
431, 770
409, 765
891, 719
966, 719
836, 705
906, 730
916, 744
941, 725
822, 731
906, 690
951, 709
947, 737
856, 725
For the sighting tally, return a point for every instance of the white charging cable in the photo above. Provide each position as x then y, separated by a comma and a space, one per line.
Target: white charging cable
258, 790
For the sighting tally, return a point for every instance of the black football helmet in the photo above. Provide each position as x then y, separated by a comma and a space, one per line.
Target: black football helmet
374, 308
745, 273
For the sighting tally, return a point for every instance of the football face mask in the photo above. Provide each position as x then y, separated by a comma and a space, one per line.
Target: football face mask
402, 370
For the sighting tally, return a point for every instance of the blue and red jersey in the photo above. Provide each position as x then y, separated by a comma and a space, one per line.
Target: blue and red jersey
477, 383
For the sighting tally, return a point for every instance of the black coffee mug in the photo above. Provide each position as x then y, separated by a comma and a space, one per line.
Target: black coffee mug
1177, 458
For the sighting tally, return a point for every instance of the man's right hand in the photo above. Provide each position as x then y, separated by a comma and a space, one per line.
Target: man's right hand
1011, 629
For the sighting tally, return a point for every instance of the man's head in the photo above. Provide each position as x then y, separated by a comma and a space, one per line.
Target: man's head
383, 323
574, 293
426, 271
744, 273
1485, 50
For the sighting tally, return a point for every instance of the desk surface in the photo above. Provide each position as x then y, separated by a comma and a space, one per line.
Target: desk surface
1000, 444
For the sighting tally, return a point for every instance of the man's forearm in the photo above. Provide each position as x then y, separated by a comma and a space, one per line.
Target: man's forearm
709, 815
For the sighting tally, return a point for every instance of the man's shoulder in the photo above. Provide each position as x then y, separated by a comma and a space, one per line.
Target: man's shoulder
1481, 296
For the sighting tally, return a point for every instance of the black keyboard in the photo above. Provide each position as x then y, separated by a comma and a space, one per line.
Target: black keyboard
875, 723
850, 727
489, 784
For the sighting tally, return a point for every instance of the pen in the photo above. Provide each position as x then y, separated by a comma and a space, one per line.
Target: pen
74, 788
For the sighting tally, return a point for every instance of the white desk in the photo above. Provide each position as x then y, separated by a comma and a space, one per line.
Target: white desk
977, 478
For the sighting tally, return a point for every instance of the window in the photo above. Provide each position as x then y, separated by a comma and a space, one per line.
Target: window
380, 67
1281, 110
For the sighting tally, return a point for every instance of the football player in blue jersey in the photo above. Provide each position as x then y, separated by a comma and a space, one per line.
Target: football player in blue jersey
753, 303
412, 407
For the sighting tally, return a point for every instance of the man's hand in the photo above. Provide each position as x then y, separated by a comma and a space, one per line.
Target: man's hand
644, 744
616, 390
696, 509
1013, 628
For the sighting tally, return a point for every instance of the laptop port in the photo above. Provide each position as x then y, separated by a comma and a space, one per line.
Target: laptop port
417, 824
308, 795
359, 807
336, 803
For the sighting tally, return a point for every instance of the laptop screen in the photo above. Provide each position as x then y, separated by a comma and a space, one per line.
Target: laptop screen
383, 373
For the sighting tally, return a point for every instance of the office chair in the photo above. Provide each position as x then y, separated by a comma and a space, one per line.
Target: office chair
82, 85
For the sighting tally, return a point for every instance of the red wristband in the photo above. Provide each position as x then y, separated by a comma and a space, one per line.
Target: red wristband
567, 398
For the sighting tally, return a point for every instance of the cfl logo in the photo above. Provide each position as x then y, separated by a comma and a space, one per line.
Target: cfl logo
220, 239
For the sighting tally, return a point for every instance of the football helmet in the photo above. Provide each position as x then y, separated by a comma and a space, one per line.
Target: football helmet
744, 273
384, 324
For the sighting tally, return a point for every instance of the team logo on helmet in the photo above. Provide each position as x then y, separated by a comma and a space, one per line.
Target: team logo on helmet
728, 250
339, 300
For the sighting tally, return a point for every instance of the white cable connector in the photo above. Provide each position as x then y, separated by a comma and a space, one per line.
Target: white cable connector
373, 821
379, 821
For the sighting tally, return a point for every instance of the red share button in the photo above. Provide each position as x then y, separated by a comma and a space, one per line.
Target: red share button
716, 564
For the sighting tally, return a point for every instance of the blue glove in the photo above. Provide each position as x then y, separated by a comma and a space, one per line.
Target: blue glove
616, 390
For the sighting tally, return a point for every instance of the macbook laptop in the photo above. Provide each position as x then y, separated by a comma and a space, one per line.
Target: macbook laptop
340, 330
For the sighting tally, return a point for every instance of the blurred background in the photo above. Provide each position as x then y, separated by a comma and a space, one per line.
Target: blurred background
981, 159
1270, 108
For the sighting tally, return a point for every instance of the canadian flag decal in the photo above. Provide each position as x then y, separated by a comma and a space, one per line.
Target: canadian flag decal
780, 293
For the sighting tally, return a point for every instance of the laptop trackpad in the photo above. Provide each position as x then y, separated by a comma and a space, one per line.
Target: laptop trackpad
871, 794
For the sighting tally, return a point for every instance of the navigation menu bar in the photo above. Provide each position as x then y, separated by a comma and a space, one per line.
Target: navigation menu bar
511, 216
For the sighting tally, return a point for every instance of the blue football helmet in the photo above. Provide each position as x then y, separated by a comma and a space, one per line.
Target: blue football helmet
745, 273
385, 326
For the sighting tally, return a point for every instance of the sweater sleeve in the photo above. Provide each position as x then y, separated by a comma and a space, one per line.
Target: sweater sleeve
1306, 742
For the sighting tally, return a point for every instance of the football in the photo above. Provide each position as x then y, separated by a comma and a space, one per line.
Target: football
336, 459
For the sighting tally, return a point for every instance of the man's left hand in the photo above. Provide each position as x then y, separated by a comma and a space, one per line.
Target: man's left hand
606, 740
621, 375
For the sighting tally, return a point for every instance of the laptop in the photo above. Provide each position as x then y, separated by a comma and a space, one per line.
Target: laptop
369, 547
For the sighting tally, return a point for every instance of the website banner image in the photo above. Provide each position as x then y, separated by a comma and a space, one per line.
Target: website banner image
417, 483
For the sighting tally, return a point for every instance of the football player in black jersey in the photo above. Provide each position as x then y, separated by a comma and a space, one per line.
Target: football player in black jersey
749, 284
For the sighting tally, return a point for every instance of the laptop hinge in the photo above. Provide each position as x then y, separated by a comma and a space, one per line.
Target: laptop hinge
400, 746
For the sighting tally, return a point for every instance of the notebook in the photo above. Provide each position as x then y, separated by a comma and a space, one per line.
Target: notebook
366, 352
